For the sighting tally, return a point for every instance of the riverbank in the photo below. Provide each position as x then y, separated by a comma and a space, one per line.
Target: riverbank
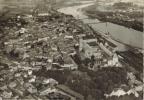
123, 34
127, 19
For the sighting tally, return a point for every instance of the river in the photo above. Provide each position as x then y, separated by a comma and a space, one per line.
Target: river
119, 33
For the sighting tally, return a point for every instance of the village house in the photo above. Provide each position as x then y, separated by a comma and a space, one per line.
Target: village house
64, 61
74, 95
47, 90
50, 81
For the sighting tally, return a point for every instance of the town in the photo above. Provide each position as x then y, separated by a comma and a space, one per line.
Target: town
53, 56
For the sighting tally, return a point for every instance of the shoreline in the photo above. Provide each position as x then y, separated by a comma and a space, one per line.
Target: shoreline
127, 24
78, 13
130, 19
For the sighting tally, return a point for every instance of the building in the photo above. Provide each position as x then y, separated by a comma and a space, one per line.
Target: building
114, 61
58, 96
96, 65
64, 61
89, 46
47, 90
70, 92
120, 94
107, 51
69, 63
50, 81
30, 88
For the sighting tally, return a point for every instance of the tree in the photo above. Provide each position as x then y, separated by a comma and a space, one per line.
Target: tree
89, 97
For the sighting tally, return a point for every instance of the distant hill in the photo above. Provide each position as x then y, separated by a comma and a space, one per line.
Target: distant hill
138, 2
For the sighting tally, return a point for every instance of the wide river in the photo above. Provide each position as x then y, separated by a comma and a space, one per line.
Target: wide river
120, 33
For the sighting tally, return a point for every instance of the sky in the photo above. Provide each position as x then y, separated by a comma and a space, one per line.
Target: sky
1, 1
